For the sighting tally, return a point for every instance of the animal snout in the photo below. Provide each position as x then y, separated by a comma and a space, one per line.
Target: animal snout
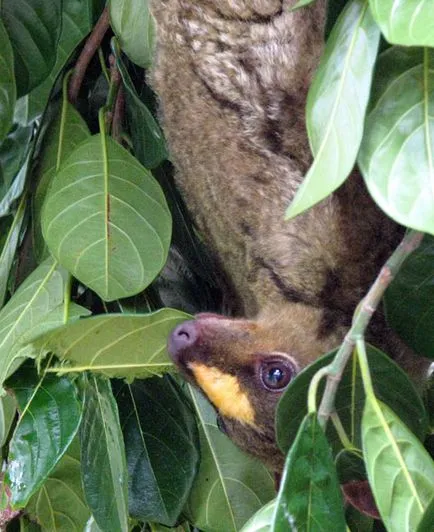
182, 337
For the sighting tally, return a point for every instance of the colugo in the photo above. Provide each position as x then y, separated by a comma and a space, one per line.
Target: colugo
232, 78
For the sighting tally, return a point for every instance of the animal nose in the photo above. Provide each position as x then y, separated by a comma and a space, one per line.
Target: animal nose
182, 337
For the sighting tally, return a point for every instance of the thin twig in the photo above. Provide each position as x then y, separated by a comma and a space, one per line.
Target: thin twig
370, 303
91, 46
118, 115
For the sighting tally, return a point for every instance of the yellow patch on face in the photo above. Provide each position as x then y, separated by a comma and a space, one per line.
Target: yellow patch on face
224, 391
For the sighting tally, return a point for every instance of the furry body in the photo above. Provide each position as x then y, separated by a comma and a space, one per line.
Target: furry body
233, 78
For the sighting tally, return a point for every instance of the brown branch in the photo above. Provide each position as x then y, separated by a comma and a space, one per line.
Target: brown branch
118, 115
92, 44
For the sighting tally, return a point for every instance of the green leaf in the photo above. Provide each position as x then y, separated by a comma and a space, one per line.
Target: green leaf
7, 203
103, 463
391, 385
125, 346
147, 137
33, 27
65, 133
57, 317
309, 497
408, 23
106, 219
10, 247
410, 299
400, 125
7, 83
59, 505
76, 24
40, 293
134, 26
161, 441
13, 152
427, 522
400, 471
7, 414
50, 417
262, 520
230, 486
337, 103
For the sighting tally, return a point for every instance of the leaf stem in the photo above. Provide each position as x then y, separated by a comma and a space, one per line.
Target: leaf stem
409, 243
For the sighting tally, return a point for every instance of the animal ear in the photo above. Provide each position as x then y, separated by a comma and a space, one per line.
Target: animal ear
276, 370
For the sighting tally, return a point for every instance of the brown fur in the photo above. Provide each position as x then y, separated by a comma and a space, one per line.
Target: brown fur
233, 77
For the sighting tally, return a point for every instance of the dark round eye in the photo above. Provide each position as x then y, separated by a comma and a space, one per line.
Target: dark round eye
276, 374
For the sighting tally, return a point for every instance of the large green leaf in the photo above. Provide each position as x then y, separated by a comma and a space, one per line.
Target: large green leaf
262, 520
410, 299
125, 346
230, 486
337, 103
40, 293
146, 135
76, 24
408, 22
396, 156
106, 220
59, 506
7, 83
309, 496
161, 443
391, 384
134, 26
33, 27
104, 468
65, 133
400, 471
50, 417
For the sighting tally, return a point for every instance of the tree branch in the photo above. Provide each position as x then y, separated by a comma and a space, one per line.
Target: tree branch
409, 243
92, 44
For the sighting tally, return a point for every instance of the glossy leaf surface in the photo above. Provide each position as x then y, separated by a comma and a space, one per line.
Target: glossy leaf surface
396, 156
50, 417
161, 443
60, 505
104, 469
309, 497
400, 471
106, 219
408, 23
230, 486
33, 27
125, 346
337, 103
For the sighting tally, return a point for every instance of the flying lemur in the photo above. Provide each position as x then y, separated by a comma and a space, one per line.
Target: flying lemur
232, 77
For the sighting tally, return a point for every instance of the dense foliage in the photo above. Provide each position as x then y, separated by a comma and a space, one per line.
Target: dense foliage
96, 247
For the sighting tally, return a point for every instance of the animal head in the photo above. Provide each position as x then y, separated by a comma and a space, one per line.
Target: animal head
244, 366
